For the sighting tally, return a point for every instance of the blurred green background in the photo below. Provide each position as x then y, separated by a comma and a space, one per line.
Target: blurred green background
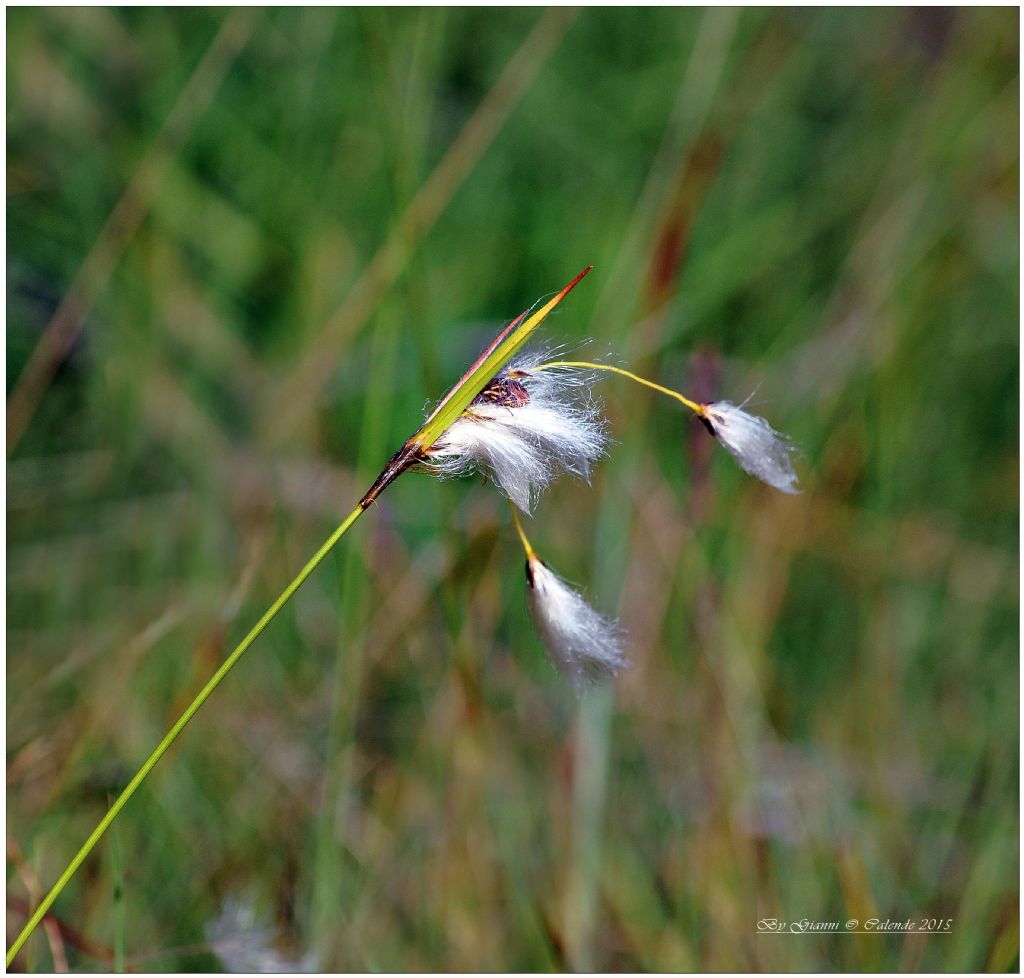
246, 248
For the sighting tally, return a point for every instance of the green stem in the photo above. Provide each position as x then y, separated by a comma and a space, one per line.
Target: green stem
180, 725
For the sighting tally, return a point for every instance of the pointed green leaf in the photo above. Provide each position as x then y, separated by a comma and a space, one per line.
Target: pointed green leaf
497, 354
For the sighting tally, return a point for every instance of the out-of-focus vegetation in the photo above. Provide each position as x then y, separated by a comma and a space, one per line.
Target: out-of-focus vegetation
248, 247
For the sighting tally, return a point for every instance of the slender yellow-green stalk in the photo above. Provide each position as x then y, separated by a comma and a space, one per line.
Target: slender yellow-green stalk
530, 555
698, 409
179, 725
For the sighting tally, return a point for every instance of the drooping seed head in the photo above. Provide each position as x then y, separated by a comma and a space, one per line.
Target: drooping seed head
582, 643
756, 445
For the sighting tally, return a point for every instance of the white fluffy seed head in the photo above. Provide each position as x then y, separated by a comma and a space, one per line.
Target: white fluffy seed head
522, 429
754, 443
583, 644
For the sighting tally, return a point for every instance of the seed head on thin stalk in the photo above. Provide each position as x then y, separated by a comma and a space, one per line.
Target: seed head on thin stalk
759, 449
753, 442
583, 644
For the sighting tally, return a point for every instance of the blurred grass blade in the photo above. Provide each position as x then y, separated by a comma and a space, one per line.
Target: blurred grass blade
119, 908
124, 221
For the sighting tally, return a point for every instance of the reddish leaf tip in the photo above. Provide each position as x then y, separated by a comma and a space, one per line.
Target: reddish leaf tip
574, 282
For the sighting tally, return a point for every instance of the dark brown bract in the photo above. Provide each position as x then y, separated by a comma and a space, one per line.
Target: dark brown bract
505, 391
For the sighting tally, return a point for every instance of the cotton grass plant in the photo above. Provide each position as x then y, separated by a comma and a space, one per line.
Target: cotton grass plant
520, 419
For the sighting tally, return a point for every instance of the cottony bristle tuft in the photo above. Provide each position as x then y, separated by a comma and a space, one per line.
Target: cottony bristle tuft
755, 444
522, 429
583, 644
